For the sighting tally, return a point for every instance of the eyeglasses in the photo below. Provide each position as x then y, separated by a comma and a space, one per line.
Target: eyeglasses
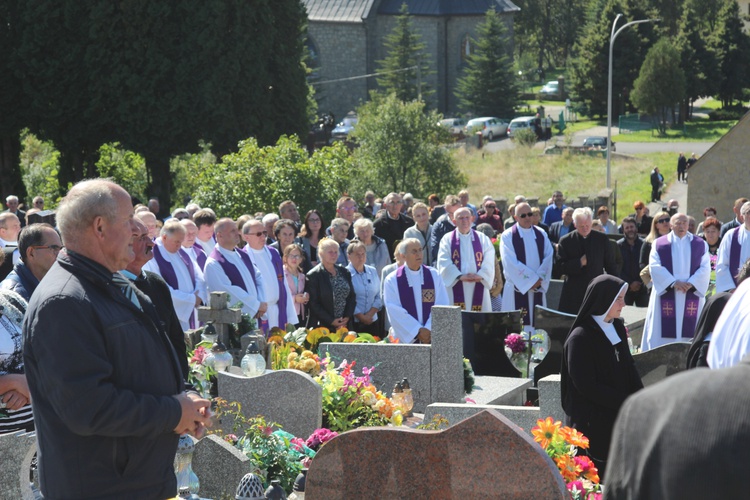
54, 248
523, 216
662, 221
294, 256
313, 220
259, 233
490, 206
347, 209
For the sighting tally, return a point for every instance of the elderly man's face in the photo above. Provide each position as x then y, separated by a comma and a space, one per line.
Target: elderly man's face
173, 242
523, 216
583, 226
149, 220
463, 218
191, 231
339, 233
414, 256
142, 247
118, 235
567, 217
290, 212
45, 254
12, 205
228, 236
254, 234
11, 229
679, 224
394, 206
346, 210
558, 199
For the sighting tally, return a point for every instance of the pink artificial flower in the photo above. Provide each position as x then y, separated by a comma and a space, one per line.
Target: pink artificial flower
297, 443
469, 400
199, 355
574, 486
267, 430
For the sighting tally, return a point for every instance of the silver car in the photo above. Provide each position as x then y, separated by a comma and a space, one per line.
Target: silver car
490, 126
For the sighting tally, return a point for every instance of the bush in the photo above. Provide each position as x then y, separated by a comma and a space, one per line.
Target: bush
733, 113
525, 137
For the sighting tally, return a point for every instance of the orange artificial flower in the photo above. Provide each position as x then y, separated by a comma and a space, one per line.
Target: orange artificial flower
568, 467
545, 431
574, 437
350, 338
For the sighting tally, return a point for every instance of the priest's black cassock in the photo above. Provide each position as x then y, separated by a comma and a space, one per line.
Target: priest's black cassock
599, 258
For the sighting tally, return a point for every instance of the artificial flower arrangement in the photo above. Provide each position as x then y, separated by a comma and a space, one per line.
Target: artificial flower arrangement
561, 444
274, 454
200, 373
350, 401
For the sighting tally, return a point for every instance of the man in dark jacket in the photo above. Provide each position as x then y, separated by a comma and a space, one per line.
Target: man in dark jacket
582, 256
108, 393
38, 246
392, 225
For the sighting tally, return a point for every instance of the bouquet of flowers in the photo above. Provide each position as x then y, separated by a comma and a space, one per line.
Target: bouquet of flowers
561, 444
350, 401
306, 362
516, 343
200, 373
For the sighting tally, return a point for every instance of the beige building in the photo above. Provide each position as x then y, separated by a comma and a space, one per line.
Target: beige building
720, 176
745, 10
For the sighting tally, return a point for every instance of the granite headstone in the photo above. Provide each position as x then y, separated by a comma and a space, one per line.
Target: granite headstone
661, 362
16, 449
557, 325
219, 467
484, 341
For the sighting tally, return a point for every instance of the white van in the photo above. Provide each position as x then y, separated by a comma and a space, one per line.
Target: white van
519, 123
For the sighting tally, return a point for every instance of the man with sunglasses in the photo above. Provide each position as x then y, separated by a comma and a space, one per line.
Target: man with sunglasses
527, 257
267, 260
38, 246
490, 216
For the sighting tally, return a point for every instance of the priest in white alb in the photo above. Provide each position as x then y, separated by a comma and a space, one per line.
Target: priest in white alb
527, 265
409, 294
184, 277
466, 264
276, 289
733, 252
680, 272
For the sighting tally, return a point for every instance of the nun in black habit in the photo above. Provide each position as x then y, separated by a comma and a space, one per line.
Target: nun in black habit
598, 372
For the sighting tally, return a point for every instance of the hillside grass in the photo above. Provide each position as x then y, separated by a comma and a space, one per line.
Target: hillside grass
695, 131
508, 173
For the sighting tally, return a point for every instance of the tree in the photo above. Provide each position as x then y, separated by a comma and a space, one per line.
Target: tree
405, 53
731, 48
40, 164
661, 83
258, 178
696, 60
401, 149
488, 86
158, 76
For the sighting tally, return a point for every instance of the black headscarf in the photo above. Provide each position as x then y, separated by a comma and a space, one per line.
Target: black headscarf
600, 294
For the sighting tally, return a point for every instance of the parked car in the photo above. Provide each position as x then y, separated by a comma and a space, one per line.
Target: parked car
596, 142
550, 88
519, 123
344, 128
490, 126
455, 126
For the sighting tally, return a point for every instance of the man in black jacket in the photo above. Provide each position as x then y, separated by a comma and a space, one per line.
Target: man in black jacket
108, 392
582, 256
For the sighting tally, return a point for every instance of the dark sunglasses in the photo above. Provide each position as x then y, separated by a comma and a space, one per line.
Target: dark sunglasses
54, 248
259, 233
527, 214
662, 221
490, 206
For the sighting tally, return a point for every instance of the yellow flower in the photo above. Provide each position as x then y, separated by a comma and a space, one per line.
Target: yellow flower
369, 398
306, 354
397, 418
308, 364
292, 356
545, 431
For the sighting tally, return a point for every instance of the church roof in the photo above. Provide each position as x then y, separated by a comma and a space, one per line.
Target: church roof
347, 11
447, 7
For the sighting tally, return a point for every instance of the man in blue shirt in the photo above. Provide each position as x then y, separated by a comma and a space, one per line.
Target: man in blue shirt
553, 213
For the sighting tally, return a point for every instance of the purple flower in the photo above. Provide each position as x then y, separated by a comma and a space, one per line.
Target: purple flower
516, 343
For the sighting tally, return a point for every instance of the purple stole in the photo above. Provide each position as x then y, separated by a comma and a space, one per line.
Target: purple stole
200, 255
692, 301
406, 295
735, 249
522, 299
236, 278
458, 288
167, 272
278, 267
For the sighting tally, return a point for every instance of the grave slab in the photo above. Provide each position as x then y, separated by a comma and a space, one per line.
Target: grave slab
659, 363
525, 417
447, 363
484, 336
219, 467
550, 399
16, 449
484, 456
392, 363
499, 390
288, 397
553, 293
557, 325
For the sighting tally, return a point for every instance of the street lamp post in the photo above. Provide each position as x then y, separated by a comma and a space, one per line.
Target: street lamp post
612, 38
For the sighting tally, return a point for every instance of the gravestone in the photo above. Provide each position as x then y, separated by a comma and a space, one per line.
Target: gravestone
557, 325
499, 390
290, 398
525, 417
484, 341
661, 362
221, 316
554, 291
16, 449
219, 467
484, 456
447, 360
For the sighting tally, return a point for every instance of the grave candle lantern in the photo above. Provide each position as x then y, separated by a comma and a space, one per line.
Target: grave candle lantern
209, 332
408, 398
219, 358
187, 482
253, 364
398, 395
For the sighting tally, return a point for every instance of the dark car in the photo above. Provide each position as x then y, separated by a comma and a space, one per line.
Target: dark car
596, 142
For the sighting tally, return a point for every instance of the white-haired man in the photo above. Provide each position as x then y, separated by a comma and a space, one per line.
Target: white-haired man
193, 249
392, 225
466, 262
680, 268
12, 203
409, 294
527, 256
582, 255
184, 277
99, 369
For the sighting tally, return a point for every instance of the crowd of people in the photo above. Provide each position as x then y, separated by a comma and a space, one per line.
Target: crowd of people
125, 276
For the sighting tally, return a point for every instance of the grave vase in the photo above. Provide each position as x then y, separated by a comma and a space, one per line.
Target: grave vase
187, 481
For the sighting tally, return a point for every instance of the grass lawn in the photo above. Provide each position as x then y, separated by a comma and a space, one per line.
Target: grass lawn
526, 171
695, 131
